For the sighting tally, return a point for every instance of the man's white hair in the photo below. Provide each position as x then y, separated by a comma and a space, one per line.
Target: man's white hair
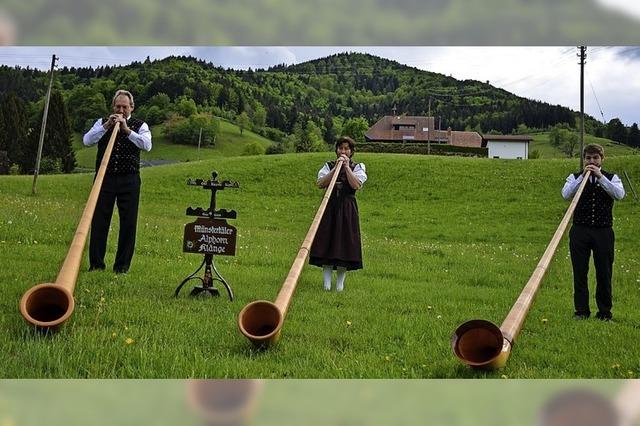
122, 93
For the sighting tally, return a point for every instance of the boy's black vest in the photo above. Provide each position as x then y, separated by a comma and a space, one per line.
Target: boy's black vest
125, 157
342, 188
595, 205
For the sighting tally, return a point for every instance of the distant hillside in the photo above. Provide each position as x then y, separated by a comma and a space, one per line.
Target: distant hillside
301, 105
459, 103
542, 144
346, 85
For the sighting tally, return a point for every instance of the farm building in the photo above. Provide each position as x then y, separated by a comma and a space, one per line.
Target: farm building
507, 146
420, 129
406, 128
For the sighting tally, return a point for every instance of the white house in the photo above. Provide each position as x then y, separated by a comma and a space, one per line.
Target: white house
507, 146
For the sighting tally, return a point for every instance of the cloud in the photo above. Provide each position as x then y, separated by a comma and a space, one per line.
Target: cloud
629, 52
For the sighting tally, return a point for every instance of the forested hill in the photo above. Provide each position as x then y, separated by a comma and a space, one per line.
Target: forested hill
369, 86
347, 85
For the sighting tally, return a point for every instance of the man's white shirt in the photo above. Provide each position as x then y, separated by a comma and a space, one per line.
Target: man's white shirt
141, 139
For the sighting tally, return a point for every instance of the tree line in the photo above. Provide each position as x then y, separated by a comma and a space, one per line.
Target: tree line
301, 107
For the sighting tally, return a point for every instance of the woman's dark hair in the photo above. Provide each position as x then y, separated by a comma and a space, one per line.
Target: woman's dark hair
347, 140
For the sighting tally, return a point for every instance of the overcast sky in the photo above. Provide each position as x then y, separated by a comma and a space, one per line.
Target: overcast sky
550, 74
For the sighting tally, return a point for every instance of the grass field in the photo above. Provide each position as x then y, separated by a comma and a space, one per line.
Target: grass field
229, 142
444, 239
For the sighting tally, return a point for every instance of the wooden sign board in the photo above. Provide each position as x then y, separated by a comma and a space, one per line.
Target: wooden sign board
210, 236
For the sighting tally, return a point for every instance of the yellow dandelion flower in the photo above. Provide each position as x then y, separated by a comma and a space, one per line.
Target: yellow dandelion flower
129, 341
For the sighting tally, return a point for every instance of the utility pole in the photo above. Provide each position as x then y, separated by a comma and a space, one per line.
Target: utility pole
44, 125
429, 129
583, 57
199, 139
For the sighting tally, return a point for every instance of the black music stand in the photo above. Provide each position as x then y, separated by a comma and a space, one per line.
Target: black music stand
208, 262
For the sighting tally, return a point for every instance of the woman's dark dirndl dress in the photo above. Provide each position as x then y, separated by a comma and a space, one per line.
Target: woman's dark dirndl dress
337, 242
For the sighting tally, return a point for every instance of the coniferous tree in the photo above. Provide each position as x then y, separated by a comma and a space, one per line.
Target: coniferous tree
634, 136
4, 158
616, 131
15, 124
58, 143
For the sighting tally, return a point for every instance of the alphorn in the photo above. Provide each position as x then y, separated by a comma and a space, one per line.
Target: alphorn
480, 343
261, 321
47, 306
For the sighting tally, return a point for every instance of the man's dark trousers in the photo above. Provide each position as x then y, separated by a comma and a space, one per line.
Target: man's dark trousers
123, 190
583, 240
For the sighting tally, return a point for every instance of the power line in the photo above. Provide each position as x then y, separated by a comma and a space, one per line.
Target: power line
596, 97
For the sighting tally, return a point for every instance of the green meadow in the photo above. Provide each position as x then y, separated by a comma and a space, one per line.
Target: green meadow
541, 144
229, 142
445, 240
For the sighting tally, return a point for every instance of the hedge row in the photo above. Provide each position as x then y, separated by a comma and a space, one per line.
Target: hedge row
422, 148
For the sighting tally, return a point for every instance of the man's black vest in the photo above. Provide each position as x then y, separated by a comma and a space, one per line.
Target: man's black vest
125, 157
595, 205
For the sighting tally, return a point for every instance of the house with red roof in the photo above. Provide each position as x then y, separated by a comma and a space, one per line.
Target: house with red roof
407, 128
420, 129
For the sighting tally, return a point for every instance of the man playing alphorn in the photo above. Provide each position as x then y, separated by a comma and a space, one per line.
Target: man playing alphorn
121, 183
592, 232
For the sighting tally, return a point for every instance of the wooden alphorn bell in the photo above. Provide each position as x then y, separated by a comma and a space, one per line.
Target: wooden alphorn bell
261, 321
47, 306
480, 343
